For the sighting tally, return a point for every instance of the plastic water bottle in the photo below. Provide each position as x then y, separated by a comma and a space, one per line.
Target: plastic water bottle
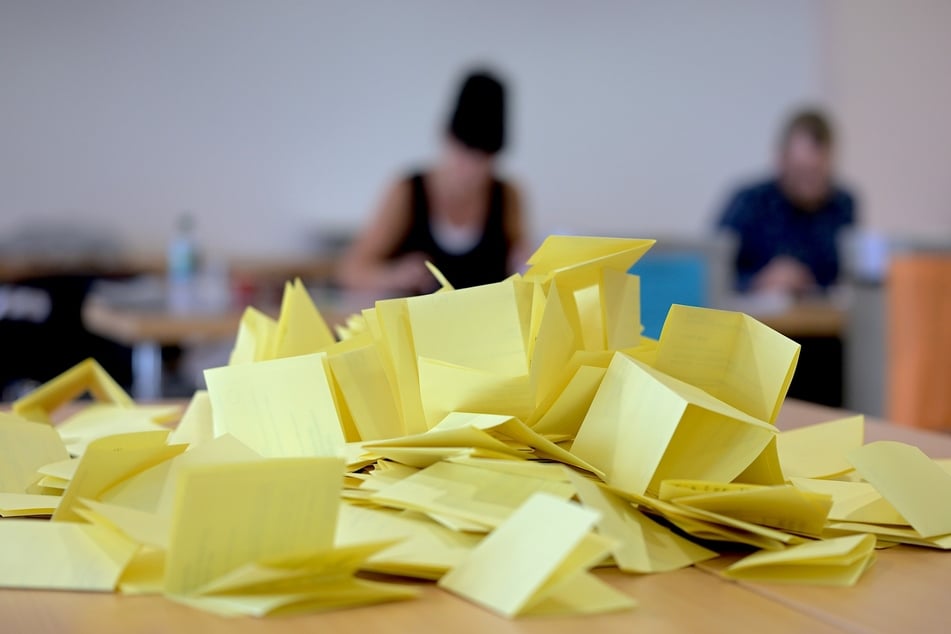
182, 265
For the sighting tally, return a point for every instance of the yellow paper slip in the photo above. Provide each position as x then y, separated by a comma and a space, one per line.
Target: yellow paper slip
86, 376
620, 309
783, 507
485, 496
534, 560
839, 561
853, 501
644, 427
482, 328
26, 504
643, 545
62, 469
145, 573
25, 447
578, 261
917, 487
564, 414
61, 556
228, 515
111, 460
338, 594
422, 548
730, 355
281, 408
257, 333
819, 451
370, 397
890, 534
487, 431
422, 457
552, 345
101, 420
674, 489
301, 328
143, 528
197, 425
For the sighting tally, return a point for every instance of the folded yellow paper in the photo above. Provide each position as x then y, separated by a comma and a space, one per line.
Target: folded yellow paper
839, 561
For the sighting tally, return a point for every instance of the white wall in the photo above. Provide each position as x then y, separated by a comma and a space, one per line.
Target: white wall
889, 78
272, 118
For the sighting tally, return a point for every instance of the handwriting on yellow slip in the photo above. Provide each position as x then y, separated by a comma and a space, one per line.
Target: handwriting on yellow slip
227, 515
86, 376
643, 545
912, 482
301, 328
196, 425
644, 427
784, 507
730, 355
530, 557
424, 549
279, 408
819, 451
61, 555
25, 447
110, 461
486, 496
839, 561
26, 504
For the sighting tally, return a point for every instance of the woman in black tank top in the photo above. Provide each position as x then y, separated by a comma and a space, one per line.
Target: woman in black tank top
457, 214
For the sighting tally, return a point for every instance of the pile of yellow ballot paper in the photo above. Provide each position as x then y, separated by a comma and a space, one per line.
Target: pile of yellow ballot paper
502, 440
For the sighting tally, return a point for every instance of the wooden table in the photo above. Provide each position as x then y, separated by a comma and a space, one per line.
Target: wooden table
905, 591
808, 319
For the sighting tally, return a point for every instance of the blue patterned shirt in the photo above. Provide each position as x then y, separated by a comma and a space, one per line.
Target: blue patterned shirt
768, 225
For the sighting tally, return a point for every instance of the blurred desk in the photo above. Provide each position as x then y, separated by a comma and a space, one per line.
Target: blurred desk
904, 591
808, 319
146, 323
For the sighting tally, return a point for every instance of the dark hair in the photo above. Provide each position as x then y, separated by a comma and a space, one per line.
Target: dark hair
812, 122
478, 120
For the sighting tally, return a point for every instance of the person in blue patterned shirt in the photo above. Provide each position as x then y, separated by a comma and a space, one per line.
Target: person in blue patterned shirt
788, 226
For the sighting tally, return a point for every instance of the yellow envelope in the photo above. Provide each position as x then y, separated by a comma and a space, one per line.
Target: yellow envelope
25, 447
644, 427
839, 561
538, 551
86, 376
917, 487
642, 545
730, 355
819, 451
279, 408
228, 515
61, 556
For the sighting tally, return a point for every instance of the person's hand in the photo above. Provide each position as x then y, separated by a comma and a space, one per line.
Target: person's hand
784, 274
408, 273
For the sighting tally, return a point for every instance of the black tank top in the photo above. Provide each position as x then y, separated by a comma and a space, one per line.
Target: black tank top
485, 263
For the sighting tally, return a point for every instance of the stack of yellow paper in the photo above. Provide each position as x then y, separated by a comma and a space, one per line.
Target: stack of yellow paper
502, 439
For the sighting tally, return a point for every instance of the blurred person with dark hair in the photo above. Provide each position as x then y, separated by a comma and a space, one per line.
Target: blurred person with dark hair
457, 214
788, 226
